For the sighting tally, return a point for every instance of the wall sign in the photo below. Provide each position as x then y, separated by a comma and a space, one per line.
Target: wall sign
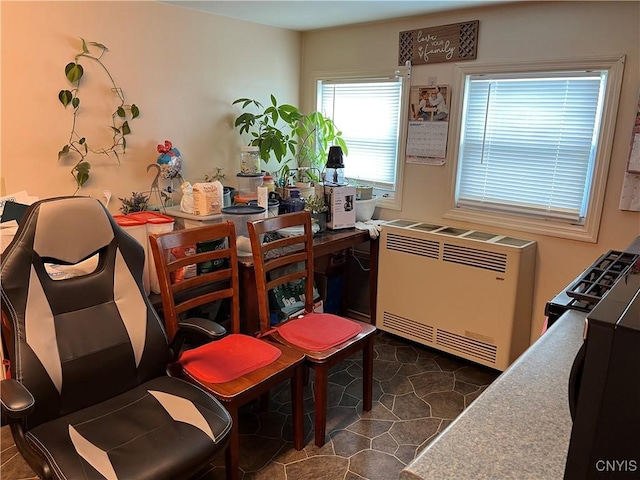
446, 43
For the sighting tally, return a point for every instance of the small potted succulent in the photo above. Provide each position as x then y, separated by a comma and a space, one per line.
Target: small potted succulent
137, 202
316, 205
363, 191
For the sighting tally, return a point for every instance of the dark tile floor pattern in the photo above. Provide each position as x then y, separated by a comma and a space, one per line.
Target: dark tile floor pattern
417, 393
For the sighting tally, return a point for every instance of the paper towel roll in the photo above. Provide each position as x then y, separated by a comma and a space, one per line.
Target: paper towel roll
263, 199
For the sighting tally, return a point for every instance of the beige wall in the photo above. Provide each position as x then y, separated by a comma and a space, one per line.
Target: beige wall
518, 32
181, 67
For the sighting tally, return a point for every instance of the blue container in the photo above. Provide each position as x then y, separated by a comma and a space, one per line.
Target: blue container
294, 203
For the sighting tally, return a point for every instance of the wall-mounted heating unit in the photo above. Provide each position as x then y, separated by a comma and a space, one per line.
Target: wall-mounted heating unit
465, 292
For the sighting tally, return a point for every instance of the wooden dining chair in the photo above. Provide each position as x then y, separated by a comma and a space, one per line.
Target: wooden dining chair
197, 267
325, 339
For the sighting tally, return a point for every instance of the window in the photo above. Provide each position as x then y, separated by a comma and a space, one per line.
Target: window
534, 146
369, 112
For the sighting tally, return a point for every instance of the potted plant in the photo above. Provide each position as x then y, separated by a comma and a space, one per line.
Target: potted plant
317, 207
282, 130
270, 127
137, 202
78, 144
363, 191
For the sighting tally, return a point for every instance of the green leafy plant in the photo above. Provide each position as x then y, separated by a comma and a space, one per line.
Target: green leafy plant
219, 175
315, 204
316, 133
77, 143
282, 129
270, 128
137, 202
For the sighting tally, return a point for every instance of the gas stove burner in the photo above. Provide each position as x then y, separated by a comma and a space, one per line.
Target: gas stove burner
600, 277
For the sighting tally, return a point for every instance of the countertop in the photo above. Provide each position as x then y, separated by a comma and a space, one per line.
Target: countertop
519, 428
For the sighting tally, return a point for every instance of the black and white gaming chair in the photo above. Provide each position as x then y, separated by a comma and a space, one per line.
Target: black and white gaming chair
89, 397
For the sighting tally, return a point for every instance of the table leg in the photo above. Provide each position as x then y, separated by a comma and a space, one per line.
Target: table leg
374, 247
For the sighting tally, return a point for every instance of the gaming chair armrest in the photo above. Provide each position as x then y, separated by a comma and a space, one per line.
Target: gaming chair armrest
202, 326
16, 400
198, 331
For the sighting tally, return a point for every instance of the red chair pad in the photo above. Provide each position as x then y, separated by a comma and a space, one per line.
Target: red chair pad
229, 358
318, 331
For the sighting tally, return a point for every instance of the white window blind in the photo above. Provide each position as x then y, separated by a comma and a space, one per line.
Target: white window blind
367, 111
529, 142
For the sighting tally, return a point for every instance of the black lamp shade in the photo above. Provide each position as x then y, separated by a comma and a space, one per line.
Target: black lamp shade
335, 158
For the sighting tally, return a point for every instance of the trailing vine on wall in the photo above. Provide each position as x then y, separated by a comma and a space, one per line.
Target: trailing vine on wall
119, 125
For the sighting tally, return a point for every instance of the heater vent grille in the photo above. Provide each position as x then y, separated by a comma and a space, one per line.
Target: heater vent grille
413, 246
468, 347
408, 327
475, 257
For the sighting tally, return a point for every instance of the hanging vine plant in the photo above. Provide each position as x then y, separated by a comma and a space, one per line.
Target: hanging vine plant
119, 125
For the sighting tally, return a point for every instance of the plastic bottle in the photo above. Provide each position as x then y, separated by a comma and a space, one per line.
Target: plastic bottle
267, 181
263, 198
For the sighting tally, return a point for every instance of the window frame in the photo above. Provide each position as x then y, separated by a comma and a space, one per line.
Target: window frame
589, 229
389, 202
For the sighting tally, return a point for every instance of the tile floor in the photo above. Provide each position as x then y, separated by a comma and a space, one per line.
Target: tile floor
417, 393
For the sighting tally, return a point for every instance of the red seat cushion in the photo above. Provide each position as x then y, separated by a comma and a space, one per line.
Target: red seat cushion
229, 358
318, 331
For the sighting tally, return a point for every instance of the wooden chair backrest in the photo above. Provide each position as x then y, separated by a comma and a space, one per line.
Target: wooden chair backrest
282, 260
179, 296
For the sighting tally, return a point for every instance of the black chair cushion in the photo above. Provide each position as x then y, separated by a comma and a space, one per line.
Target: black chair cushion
138, 434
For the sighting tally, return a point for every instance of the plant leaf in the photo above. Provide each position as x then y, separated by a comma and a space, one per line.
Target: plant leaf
84, 46
115, 130
82, 167
74, 72
81, 178
99, 45
120, 112
75, 102
82, 140
63, 152
65, 97
135, 111
125, 128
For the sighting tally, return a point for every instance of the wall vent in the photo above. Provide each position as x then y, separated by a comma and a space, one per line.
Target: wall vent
474, 257
468, 347
413, 246
409, 327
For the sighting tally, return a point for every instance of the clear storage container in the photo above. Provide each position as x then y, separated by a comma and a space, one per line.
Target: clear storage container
249, 160
248, 184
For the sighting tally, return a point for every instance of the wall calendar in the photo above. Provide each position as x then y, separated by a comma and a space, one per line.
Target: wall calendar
428, 126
